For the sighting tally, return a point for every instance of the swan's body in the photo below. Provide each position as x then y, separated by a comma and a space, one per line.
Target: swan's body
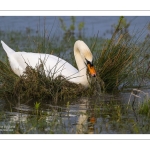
54, 66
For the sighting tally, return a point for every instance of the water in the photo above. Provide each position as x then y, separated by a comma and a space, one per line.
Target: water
104, 114
98, 115
93, 24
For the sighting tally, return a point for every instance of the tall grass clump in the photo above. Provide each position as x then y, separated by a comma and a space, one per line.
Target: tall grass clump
118, 63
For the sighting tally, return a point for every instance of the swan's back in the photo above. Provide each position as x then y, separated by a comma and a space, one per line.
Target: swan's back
53, 65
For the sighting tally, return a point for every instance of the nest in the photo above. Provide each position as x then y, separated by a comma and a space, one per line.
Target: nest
33, 86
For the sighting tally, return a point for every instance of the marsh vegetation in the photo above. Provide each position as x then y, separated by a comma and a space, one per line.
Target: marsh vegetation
34, 103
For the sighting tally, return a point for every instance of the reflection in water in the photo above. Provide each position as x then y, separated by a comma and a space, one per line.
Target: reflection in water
81, 126
17, 117
53, 119
85, 122
104, 114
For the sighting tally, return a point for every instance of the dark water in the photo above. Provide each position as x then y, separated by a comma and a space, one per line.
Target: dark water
93, 24
103, 114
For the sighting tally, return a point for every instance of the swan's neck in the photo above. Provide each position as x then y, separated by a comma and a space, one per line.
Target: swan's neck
82, 68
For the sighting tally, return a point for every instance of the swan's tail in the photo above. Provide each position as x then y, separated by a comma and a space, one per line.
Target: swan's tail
7, 49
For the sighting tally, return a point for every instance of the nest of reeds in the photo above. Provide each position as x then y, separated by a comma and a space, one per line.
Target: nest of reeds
34, 86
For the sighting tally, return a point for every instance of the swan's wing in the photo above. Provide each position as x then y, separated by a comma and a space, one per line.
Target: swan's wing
52, 64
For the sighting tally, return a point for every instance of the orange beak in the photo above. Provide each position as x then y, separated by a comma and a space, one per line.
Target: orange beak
91, 70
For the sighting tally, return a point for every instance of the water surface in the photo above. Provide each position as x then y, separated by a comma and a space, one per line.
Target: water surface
93, 24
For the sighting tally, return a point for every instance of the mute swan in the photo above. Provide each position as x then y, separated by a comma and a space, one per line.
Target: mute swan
54, 65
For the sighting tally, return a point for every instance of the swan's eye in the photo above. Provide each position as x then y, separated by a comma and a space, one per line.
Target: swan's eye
89, 62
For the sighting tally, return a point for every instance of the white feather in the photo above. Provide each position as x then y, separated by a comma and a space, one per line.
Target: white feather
53, 65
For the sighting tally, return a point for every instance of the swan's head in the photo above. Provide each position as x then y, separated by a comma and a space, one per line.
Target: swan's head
81, 50
88, 60
91, 68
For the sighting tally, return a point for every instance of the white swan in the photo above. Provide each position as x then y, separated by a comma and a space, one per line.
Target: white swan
54, 65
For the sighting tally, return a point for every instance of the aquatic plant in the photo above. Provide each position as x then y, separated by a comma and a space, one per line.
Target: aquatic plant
121, 62
144, 108
37, 106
